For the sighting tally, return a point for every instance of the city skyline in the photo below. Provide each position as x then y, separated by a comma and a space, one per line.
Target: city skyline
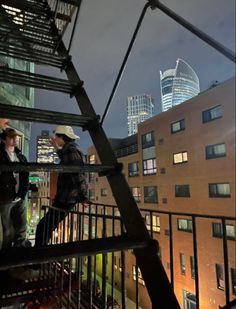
152, 51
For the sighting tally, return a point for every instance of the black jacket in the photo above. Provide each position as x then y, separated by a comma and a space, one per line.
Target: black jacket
7, 179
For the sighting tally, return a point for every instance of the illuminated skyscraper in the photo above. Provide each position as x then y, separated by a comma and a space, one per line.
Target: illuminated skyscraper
45, 151
178, 85
139, 109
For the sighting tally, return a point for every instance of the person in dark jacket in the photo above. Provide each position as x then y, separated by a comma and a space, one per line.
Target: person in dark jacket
13, 190
71, 187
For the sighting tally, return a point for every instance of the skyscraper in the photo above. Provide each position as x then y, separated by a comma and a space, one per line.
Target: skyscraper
139, 109
45, 151
178, 85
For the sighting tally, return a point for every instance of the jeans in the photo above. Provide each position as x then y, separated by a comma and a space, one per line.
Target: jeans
13, 223
50, 222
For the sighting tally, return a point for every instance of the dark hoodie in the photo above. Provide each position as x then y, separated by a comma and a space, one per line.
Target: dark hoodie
7, 179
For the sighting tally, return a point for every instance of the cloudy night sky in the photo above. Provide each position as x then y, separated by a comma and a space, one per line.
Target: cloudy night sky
103, 32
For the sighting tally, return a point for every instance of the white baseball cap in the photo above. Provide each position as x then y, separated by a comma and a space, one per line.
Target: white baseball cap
66, 130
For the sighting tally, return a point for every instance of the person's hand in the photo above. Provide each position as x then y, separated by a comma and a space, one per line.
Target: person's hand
3, 123
16, 200
54, 143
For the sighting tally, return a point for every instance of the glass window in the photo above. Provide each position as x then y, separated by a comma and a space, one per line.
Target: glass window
133, 169
155, 225
233, 280
217, 230
136, 192
103, 192
178, 126
212, 114
149, 167
182, 264
182, 191
215, 151
220, 277
91, 194
150, 194
180, 157
92, 177
192, 266
189, 301
148, 140
137, 275
185, 225
219, 190
92, 159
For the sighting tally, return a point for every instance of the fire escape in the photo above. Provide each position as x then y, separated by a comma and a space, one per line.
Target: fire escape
32, 30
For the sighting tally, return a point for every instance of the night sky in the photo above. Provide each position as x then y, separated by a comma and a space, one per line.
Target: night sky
103, 33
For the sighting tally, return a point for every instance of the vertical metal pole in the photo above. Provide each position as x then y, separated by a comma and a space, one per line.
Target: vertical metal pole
171, 251
195, 254
226, 266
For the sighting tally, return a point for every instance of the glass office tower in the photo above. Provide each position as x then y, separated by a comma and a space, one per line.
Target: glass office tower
139, 109
178, 85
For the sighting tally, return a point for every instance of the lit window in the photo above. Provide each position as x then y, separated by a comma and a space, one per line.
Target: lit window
136, 193
137, 275
212, 114
155, 226
215, 151
185, 225
180, 157
149, 167
219, 190
103, 192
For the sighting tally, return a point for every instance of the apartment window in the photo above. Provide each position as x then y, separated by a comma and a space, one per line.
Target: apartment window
192, 266
92, 177
136, 193
182, 264
137, 275
150, 194
182, 191
149, 166
217, 230
103, 192
233, 280
155, 225
133, 169
177, 126
219, 190
148, 140
212, 114
189, 301
92, 194
92, 159
215, 151
180, 157
220, 277
185, 225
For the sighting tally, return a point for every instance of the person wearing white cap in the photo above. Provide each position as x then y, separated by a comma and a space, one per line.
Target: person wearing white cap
71, 187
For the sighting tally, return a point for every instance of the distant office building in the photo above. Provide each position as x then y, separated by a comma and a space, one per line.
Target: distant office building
178, 85
139, 109
18, 95
45, 151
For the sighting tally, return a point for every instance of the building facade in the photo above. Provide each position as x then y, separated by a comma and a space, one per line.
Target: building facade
182, 175
18, 95
139, 109
178, 85
45, 152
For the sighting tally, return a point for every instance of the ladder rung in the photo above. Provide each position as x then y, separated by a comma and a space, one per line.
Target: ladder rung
31, 55
29, 79
44, 116
48, 167
25, 256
